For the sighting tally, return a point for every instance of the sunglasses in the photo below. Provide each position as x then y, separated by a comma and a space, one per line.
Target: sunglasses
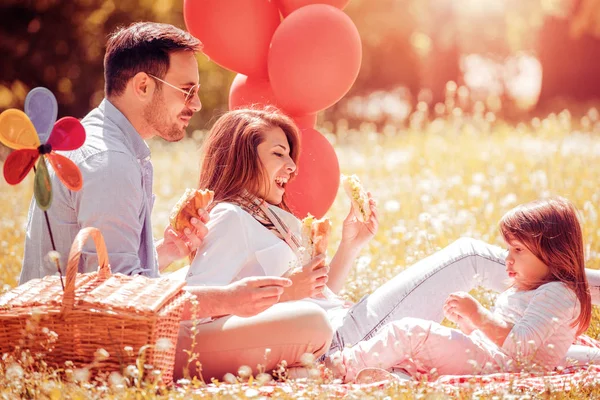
189, 94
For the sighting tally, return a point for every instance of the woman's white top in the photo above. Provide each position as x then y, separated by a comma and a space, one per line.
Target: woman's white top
238, 246
542, 319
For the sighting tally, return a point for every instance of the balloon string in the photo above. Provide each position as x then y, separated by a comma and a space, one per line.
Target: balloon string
56, 259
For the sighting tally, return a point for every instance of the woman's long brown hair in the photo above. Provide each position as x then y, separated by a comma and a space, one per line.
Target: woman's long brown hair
551, 231
230, 163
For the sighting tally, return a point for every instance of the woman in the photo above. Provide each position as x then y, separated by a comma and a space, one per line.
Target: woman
249, 157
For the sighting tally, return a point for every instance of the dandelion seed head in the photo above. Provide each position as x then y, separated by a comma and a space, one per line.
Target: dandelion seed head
115, 379
229, 378
307, 359
132, 371
81, 374
244, 372
53, 256
164, 344
264, 378
14, 372
101, 355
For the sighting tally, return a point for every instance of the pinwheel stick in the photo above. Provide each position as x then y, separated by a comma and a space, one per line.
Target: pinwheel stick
56, 259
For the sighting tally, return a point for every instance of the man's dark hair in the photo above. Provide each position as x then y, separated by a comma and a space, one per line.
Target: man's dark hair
142, 47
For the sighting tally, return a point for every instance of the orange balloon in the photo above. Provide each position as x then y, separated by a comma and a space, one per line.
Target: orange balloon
314, 59
288, 6
247, 91
235, 33
314, 188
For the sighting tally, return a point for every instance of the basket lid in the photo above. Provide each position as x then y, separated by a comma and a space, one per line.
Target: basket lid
98, 290
118, 292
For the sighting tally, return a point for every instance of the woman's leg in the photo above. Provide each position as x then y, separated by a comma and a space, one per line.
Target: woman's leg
288, 329
420, 290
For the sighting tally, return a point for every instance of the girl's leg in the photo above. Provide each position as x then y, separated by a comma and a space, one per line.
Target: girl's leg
417, 346
288, 330
420, 290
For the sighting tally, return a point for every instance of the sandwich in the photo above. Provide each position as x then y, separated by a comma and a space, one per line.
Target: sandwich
358, 197
315, 235
187, 207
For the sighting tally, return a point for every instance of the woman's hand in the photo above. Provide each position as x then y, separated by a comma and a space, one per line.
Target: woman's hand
175, 246
356, 234
307, 281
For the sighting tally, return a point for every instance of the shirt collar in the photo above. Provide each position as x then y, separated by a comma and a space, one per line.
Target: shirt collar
138, 145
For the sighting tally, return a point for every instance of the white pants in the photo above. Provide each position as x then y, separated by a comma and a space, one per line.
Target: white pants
420, 346
420, 291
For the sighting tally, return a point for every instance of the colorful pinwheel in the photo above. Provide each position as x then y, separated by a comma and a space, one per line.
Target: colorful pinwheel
22, 131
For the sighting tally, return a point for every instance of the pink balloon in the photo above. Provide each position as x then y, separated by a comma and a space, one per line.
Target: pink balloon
235, 33
305, 121
288, 6
247, 91
314, 189
314, 59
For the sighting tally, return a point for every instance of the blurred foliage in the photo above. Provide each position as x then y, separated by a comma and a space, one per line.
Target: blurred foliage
406, 43
60, 45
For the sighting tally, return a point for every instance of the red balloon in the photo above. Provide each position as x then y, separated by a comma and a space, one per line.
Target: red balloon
247, 91
305, 121
314, 189
314, 59
287, 6
235, 33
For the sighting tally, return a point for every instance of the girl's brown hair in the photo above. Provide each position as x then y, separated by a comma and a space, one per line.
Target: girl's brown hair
230, 164
551, 231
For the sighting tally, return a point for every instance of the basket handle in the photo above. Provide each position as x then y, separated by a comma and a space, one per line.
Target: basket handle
73, 262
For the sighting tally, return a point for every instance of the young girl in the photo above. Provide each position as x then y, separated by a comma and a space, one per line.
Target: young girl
534, 322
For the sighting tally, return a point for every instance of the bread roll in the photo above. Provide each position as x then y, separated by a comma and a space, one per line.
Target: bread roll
358, 197
187, 207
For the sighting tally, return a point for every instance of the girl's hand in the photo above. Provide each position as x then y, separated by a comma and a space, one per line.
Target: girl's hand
356, 234
463, 324
308, 281
462, 304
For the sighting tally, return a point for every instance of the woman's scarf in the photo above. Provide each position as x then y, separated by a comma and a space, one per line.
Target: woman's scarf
260, 210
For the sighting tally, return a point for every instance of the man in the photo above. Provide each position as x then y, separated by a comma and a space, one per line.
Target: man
151, 88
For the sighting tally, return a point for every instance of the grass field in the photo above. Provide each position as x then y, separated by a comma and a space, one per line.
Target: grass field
434, 181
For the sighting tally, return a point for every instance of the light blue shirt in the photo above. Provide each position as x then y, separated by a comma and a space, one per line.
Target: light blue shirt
116, 198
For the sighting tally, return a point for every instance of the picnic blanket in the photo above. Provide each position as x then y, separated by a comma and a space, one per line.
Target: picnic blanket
562, 379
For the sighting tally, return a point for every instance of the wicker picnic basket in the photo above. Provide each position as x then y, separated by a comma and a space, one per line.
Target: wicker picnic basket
99, 310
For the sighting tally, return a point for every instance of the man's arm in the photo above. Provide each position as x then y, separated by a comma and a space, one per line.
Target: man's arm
245, 298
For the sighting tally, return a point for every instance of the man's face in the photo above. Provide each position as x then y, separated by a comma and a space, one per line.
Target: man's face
168, 114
